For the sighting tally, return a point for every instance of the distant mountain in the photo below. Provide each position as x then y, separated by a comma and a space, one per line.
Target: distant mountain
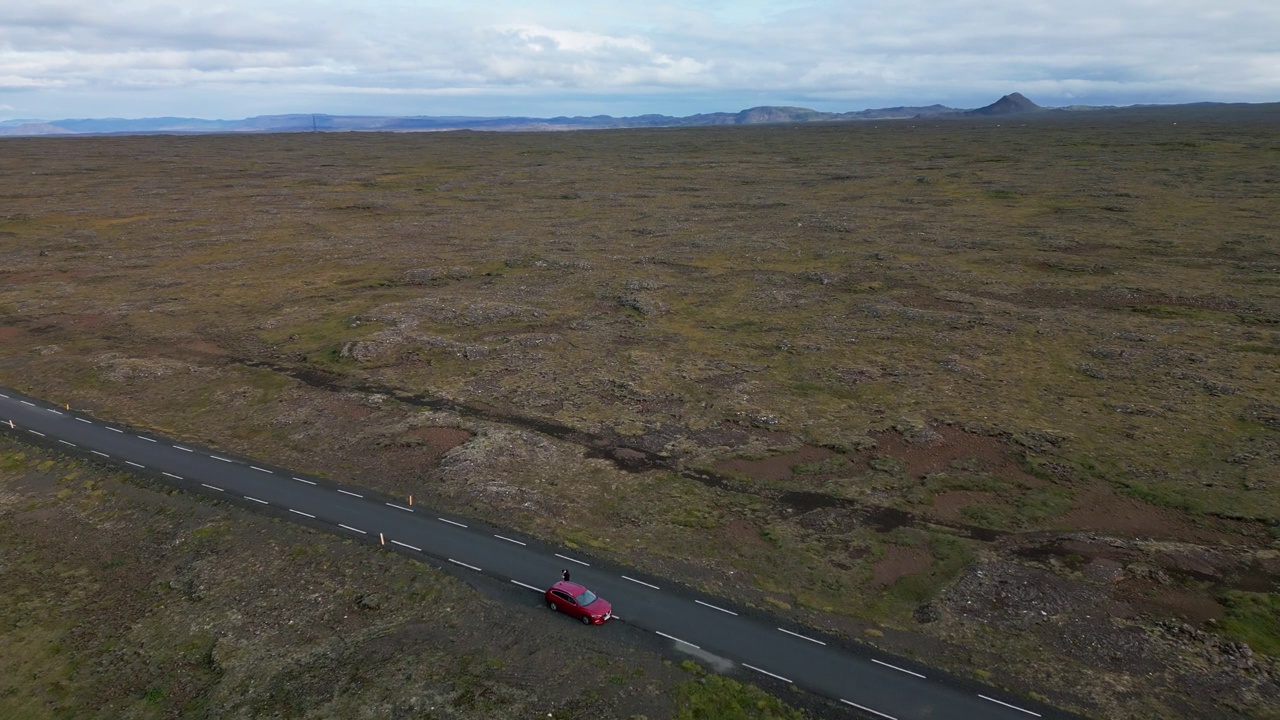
1014, 103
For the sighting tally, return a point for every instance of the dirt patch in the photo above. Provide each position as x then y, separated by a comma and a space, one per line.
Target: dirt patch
1161, 600
777, 467
440, 439
8, 333
899, 562
935, 448
1103, 510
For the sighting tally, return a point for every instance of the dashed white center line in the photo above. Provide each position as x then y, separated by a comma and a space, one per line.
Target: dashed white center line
517, 542
255, 467
344, 492
299, 512
64, 442
451, 522
130, 462
404, 545
304, 481
25, 402
673, 637
95, 452
1015, 707
517, 582
802, 637
640, 582
398, 507
895, 667
146, 438
37, 432
766, 672
89, 422
469, 567
864, 708
566, 557
175, 477
212, 487
348, 527
264, 502
713, 607
55, 412
215, 457
115, 430
179, 447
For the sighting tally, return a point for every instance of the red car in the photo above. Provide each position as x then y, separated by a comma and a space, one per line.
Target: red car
576, 601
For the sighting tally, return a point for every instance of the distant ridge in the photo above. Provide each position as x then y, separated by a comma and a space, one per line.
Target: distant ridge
1011, 104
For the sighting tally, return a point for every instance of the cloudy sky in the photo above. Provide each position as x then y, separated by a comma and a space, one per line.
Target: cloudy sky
238, 58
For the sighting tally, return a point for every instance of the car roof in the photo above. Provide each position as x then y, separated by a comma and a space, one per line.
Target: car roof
569, 587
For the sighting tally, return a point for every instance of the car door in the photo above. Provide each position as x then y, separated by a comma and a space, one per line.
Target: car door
565, 603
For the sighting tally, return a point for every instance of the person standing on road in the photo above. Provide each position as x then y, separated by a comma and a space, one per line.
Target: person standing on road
564, 574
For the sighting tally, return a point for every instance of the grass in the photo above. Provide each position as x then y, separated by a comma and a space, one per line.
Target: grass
716, 697
1253, 618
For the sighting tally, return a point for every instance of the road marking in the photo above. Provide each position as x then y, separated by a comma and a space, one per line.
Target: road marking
95, 452
766, 672
146, 438
451, 522
255, 467
469, 567
64, 442
802, 637
24, 402
895, 667
713, 607
398, 507
90, 422
215, 457
179, 447
348, 527
130, 462
566, 557
867, 709
344, 492
115, 429
640, 582
37, 432
175, 477
313, 517
264, 502
213, 488
6, 397
1015, 707
397, 542
517, 542
55, 412
517, 582
672, 637
304, 481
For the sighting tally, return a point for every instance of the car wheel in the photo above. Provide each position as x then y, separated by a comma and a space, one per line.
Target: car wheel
586, 619
552, 606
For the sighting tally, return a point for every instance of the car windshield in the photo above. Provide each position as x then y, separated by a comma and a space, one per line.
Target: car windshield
586, 598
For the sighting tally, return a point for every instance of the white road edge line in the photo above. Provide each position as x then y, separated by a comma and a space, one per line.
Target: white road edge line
85, 421
255, 467
37, 432
766, 672
137, 465
25, 402
95, 452
344, 492
179, 447
517, 542
713, 607
802, 637
313, 517
304, 481
566, 557
115, 430
399, 507
55, 412
215, 457
895, 667
867, 709
64, 442
451, 522
175, 477
397, 542
641, 582
673, 637
517, 582
6, 397
146, 438
1015, 707
264, 502
348, 527
211, 487
469, 567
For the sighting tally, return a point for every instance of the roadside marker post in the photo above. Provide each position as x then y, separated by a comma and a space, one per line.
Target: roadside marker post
410, 501
382, 539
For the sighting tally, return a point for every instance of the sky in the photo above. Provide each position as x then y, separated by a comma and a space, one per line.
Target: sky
230, 59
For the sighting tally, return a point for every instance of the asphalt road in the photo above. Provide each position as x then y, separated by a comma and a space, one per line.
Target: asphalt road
879, 685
